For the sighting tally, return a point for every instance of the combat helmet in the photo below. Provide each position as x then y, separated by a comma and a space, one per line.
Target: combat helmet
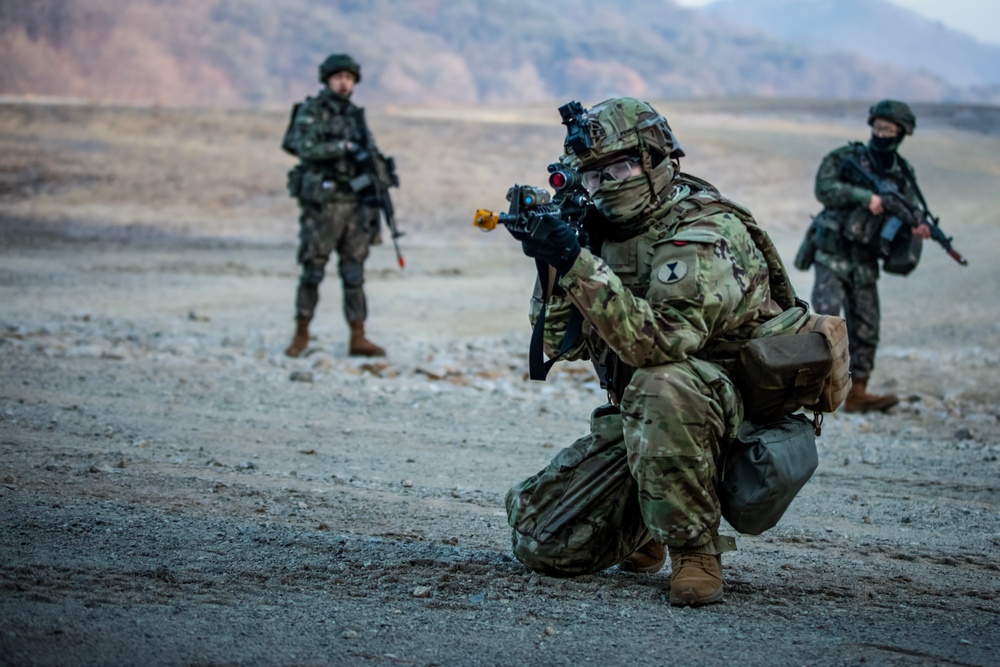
895, 111
616, 126
614, 130
339, 62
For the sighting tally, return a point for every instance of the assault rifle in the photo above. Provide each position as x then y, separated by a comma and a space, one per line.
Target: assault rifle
377, 176
533, 212
899, 211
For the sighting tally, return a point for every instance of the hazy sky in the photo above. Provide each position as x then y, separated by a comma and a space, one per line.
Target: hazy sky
980, 18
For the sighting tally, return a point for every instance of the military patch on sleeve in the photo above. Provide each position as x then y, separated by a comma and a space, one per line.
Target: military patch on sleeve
672, 271
675, 272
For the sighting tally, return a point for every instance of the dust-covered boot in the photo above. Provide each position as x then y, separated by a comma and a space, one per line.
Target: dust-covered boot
300, 341
361, 346
696, 579
648, 558
859, 400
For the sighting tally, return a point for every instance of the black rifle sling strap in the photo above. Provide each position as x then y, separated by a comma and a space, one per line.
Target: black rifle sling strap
908, 173
363, 126
538, 367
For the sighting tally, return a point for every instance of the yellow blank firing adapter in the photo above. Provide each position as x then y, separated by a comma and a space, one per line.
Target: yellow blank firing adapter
486, 220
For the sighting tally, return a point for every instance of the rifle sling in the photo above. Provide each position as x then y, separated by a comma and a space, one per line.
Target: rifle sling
538, 368
908, 173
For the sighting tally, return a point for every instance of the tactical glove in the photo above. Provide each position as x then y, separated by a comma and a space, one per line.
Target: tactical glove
559, 248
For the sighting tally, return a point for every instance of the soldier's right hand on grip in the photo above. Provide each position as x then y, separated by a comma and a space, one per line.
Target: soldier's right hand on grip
559, 248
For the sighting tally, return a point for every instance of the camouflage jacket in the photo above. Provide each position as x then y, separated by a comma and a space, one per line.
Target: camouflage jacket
321, 131
846, 207
694, 279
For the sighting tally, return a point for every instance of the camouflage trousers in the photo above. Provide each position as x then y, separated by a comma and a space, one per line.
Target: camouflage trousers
856, 294
344, 227
646, 471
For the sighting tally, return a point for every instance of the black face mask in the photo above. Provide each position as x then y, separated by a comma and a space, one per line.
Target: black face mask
885, 144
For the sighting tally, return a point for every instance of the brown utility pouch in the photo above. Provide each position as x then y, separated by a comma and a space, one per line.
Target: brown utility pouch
837, 384
780, 374
807, 367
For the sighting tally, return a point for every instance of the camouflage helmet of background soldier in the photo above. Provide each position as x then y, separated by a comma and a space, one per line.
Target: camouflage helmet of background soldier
616, 129
896, 112
339, 62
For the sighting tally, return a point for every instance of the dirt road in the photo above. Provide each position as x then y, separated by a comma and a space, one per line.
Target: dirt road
173, 490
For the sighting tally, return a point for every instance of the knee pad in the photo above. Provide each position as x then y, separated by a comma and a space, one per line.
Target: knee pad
312, 274
353, 274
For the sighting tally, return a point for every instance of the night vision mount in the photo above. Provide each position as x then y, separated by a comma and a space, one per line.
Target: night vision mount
574, 117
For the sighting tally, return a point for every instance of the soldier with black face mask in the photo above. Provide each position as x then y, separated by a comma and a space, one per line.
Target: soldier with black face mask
847, 250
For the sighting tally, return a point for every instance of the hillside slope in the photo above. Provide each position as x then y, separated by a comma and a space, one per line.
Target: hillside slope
237, 52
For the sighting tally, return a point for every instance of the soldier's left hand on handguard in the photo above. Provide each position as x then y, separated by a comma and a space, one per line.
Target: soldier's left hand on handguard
559, 248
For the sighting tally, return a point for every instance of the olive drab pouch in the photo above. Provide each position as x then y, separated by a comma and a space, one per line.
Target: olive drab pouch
763, 470
899, 248
580, 514
319, 187
828, 234
795, 360
294, 183
862, 227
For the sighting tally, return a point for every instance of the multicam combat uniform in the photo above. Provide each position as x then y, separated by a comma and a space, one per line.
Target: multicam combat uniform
333, 217
661, 302
847, 262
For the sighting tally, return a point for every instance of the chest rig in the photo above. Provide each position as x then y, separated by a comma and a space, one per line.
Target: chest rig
631, 260
336, 120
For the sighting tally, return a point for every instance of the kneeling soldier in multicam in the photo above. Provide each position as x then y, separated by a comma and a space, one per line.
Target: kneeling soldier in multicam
670, 275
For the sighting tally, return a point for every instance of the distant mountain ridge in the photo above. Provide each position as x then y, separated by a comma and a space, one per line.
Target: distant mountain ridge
875, 29
240, 52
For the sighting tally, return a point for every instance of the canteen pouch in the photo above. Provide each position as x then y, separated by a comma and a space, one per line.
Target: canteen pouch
764, 469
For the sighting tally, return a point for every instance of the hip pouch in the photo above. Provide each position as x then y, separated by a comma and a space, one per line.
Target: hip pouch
898, 247
764, 469
805, 365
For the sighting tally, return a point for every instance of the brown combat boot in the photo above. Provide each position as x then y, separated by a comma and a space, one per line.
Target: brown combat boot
300, 341
696, 579
859, 400
361, 346
647, 559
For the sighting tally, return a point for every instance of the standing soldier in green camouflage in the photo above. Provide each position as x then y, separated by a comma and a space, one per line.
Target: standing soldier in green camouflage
331, 139
673, 272
847, 250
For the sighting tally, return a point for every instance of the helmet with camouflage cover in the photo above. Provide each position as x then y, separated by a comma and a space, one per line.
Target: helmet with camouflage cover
622, 125
339, 62
614, 130
895, 111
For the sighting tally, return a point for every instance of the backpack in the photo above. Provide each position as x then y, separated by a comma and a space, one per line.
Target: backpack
289, 142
